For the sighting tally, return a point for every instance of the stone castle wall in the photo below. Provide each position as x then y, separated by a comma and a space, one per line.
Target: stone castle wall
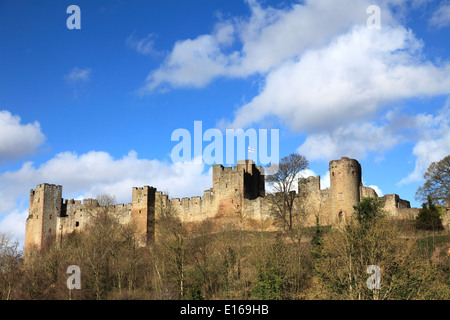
237, 194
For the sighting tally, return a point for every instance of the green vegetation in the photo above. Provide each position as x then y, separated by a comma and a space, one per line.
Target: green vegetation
326, 263
437, 183
429, 217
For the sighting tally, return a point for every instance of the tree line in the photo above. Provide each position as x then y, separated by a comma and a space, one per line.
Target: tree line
296, 262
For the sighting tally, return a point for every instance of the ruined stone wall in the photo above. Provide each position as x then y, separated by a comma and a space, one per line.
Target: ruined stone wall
77, 214
254, 182
324, 207
446, 218
52, 218
233, 190
228, 187
237, 198
393, 204
312, 201
192, 209
143, 213
367, 192
44, 209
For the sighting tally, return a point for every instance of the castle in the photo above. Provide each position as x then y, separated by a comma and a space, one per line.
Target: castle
236, 192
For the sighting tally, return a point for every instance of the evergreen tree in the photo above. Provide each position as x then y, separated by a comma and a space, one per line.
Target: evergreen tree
429, 217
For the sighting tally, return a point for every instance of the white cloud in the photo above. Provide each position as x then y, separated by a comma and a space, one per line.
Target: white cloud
433, 143
377, 190
78, 75
16, 139
263, 41
441, 17
325, 73
144, 45
352, 140
97, 172
325, 181
272, 36
192, 63
349, 80
14, 224
93, 173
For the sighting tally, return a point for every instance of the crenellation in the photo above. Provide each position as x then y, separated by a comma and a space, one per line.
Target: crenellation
367, 192
90, 202
207, 195
236, 192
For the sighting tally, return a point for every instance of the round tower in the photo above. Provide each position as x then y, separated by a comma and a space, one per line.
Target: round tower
345, 182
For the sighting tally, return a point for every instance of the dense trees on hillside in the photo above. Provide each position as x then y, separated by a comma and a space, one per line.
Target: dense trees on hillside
373, 242
194, 263
437, 183
429, 217
282, 179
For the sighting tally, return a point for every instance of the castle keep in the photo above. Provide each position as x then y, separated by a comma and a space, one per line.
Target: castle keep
236, 192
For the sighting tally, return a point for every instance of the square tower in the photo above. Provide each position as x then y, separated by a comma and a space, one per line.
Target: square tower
44, 210
143, 214
232, 185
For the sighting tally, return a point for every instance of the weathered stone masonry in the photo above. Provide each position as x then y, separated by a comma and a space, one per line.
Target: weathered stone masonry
236, 192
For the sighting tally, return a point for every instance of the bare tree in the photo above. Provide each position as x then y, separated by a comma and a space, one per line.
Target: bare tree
106, 199
437, 184
282, 182
10, 259
171, 249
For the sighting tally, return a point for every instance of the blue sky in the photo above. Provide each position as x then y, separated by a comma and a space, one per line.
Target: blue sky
93, 109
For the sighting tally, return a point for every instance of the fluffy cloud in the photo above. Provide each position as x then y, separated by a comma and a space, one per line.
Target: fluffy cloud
93, 173
192, 63
144, 45
377, 190
441, 17
261, 42
325, 73
352, 140
325, 181
349, 80
16, 139
78, 75
13, 224
433, 142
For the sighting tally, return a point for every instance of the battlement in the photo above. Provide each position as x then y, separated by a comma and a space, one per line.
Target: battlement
188, 201
72, 201
394, 201
344, 161
309, 185
42, 185
193, 208
238, 189
120, 206
367, 192
40, 188
247, 166
143, 188
84, 202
